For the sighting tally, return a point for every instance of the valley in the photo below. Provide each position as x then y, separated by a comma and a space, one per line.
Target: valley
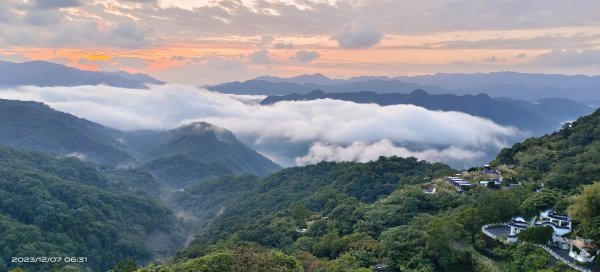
205, 199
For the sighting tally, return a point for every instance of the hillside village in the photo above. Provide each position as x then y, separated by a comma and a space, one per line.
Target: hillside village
578, 253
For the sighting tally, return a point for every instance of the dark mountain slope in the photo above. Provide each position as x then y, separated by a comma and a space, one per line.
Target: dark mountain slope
180, 171
193, 152
35, 126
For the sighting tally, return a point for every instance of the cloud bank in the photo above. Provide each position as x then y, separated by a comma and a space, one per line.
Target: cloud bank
290, 132
364, 152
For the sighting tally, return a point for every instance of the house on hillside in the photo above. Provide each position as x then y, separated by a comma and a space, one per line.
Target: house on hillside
516, 224
429, 191
495, 181
561, 223
460, 184
582, 250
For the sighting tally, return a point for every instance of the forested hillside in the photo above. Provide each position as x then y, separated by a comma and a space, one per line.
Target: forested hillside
323, 217
35, 126
63, 207
198, 151
360, 216
178, 158
564, 160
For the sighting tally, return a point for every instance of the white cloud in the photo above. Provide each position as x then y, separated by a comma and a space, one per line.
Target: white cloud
306, 56
301, 131
358, 34
364, 152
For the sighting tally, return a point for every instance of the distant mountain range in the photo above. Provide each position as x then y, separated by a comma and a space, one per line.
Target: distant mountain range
500, 84
539, 117
47, 74
190, 153
262, 87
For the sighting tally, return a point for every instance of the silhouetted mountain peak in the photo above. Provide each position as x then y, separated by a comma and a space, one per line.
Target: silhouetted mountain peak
483, 95
316, 92
203, 129
418, 93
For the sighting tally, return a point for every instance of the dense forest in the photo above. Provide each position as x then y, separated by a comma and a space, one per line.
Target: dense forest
331, 216
360, 217
36, 126
64, 207
181, 156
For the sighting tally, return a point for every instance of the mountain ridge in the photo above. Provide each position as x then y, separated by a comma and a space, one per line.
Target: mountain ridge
36, 126
49, 74
214, 150
523, 86
524, 115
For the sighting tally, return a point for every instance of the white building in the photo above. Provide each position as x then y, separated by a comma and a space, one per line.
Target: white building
516, 224
561, 223
430, 192
581, 250
459, 183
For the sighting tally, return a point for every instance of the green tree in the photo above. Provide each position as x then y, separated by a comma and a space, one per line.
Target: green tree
587, 204
300, 212
498, 206
401, 245
540, 201
536, 235
471, 220
443, 232
126, 266
215, 262
585, 208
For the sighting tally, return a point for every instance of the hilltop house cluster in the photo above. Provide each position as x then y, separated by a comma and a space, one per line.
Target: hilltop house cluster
463, 185
579, 249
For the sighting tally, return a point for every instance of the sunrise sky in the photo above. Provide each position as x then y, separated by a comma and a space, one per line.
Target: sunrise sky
206, 42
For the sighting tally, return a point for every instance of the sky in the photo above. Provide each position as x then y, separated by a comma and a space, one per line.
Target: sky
201, 42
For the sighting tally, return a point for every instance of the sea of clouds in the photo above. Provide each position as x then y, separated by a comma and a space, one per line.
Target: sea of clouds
289, 132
